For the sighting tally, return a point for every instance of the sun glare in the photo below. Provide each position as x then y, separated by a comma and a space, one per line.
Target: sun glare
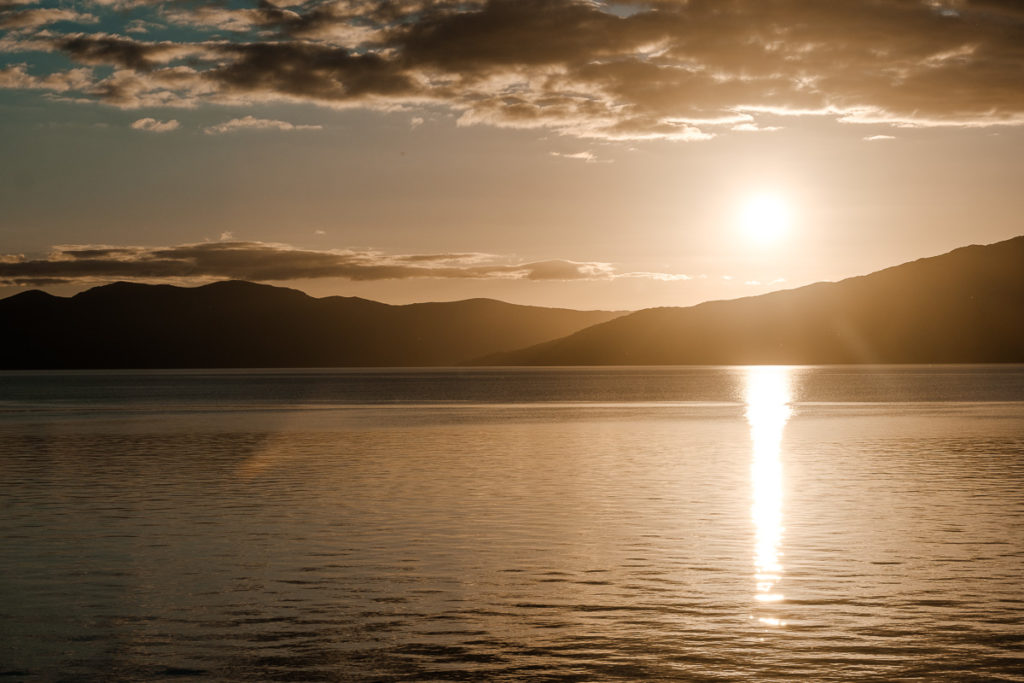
764, 218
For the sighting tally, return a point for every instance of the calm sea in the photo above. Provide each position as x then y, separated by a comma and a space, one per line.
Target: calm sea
634, 524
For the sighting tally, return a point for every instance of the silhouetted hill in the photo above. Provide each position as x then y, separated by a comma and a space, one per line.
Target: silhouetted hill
241, 324
966, 306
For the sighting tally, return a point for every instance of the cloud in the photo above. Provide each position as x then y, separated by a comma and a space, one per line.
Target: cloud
16, 77
308, 72
658, 69
263, 261
561, 270
154, 126
588, 157
139, 26
124, 4
113, 50
754, 128
175, 86
663, 277
872, 138
31, 18
252, 123
226, 18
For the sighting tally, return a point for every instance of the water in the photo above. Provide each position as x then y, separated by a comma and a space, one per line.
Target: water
695, 524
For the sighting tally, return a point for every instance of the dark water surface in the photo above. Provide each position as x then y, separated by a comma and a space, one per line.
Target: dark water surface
694, 524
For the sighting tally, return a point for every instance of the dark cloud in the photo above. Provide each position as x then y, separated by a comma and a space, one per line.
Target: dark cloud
307, 71
264, 261
420, 258
119, 51
683, 69
97, 252
519, 33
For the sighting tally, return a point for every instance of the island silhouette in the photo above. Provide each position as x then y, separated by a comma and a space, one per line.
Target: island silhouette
966, 306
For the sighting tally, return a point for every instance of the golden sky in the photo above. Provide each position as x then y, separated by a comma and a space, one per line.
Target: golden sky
567, 152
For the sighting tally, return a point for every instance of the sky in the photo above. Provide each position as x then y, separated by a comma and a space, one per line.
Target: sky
572, 153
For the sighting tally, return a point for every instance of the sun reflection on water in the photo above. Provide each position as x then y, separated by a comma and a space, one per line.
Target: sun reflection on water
768, 395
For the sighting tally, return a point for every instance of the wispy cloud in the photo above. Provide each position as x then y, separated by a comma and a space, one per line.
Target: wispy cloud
754, 128
153, 126
586, 156
32, 18
662, 277
139, 26
252, 123
873, 138
263, 261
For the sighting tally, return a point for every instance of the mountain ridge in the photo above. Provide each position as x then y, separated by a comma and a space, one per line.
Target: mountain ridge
235, 323
963, 306
904, 313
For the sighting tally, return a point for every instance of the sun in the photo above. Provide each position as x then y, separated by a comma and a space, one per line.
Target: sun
764, 218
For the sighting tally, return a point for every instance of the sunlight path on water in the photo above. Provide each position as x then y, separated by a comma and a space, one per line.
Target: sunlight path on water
768, 395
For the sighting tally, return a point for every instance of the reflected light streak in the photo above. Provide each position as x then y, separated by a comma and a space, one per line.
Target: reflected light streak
768, 395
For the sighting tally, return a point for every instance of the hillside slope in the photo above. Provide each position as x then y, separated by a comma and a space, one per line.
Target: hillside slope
241, 324
966, 306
